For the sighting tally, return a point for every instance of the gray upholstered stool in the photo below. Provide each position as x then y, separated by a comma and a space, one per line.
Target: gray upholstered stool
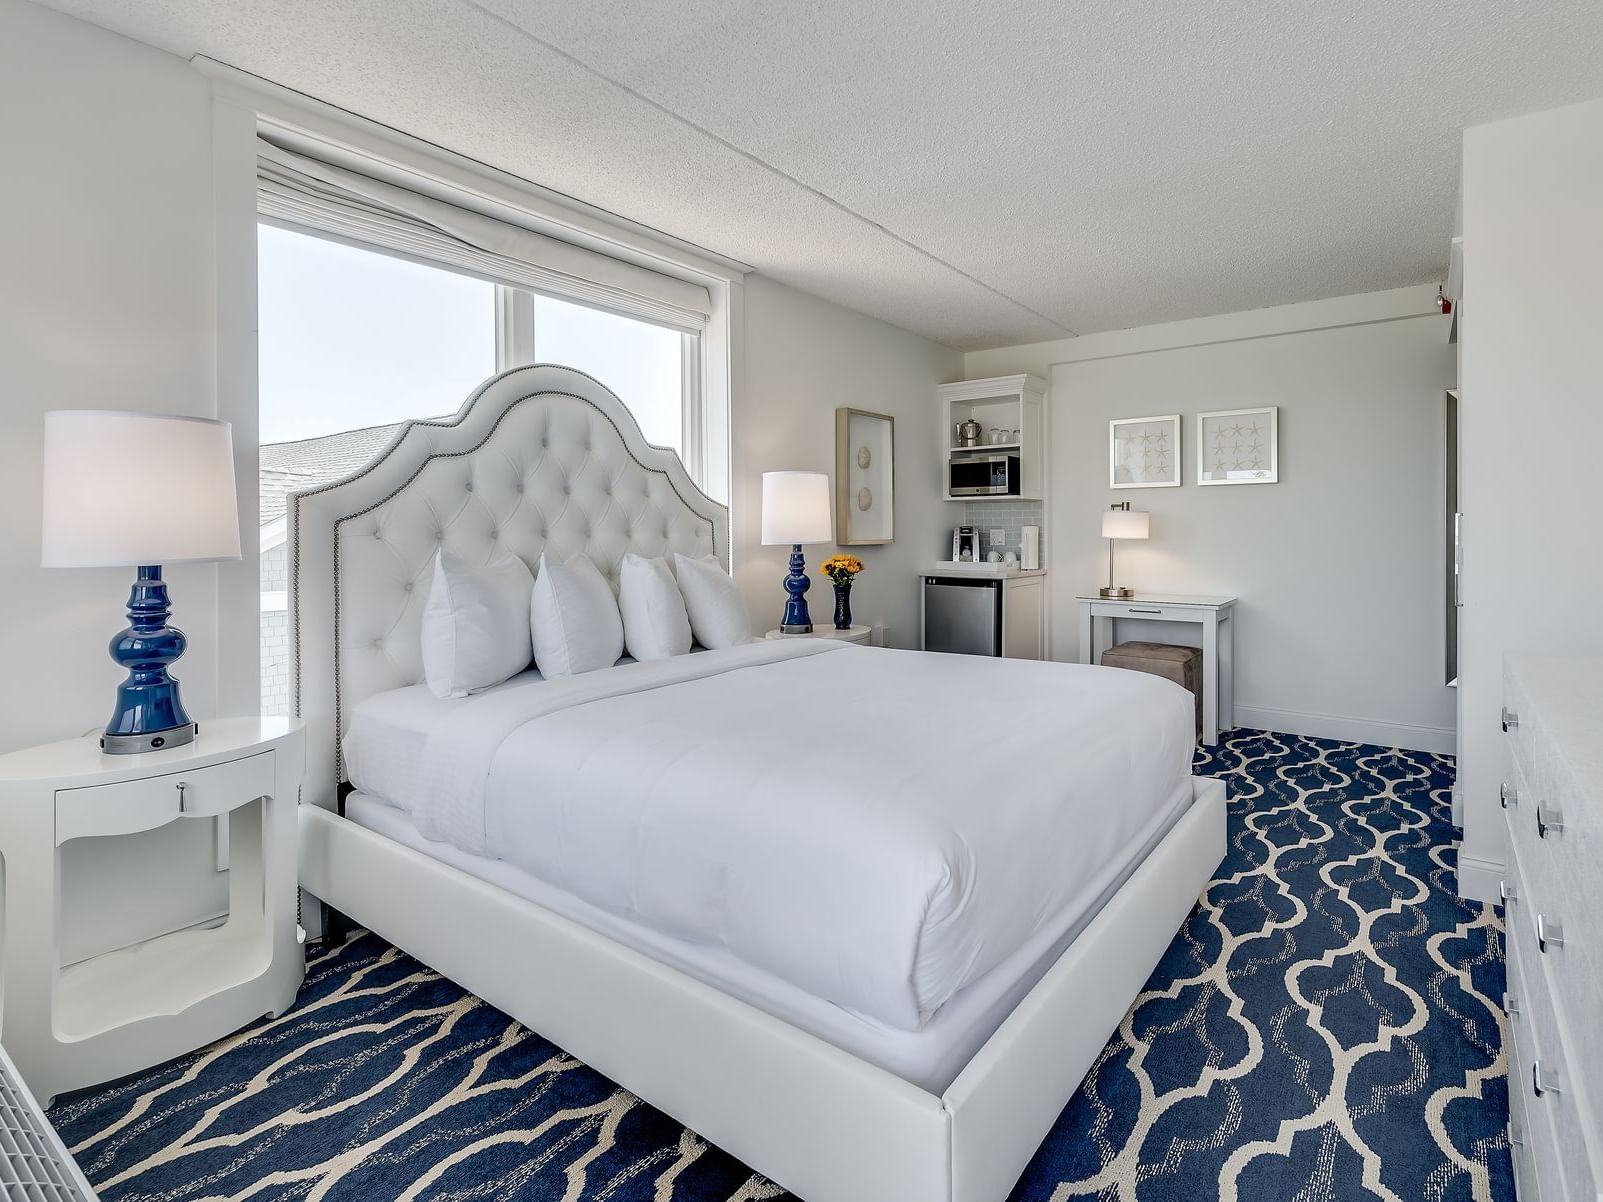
1183, 665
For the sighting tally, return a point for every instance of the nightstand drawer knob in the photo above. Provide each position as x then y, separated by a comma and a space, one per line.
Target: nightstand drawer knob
1510, 720
1547, 820
1508, 795
1548, 933
183, 799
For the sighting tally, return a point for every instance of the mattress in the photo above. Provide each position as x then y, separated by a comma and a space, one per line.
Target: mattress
929, 1058
880, 848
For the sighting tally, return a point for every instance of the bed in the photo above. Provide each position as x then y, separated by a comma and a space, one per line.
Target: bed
882, 988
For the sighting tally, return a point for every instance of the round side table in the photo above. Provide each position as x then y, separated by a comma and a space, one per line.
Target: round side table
856, 634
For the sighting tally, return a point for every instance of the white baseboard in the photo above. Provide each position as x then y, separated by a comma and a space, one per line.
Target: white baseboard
1478, 879
1442, 740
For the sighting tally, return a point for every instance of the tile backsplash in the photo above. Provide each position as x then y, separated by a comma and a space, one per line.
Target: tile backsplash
1009, 517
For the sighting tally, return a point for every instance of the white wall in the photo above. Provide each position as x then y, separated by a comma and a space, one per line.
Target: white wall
1531, 420
1338, 567
106, 301
804, 358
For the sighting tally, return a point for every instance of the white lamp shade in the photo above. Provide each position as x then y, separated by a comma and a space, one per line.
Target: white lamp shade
124, 489
796, 508
1125, 523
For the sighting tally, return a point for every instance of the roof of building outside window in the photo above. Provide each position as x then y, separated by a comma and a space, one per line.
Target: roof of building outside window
288, 467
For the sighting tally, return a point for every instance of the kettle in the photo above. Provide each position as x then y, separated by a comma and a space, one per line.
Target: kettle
969, 433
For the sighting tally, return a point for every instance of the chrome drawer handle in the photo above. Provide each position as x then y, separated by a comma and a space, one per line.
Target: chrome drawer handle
183, 797
1543, 1084
1548, 931
1506, 892
1133, 609
1510, 720
1511, 1006
1547, 820
1514, 1137
1507, 795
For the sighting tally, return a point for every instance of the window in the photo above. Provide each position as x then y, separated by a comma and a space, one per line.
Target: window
354, 340
642, 363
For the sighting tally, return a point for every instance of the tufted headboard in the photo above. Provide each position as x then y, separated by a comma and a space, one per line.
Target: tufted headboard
540, 458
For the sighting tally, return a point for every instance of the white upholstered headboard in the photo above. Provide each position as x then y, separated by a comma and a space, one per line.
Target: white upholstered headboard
540, 458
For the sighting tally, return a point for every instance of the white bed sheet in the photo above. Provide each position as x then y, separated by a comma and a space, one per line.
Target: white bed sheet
949, 837
930, 1058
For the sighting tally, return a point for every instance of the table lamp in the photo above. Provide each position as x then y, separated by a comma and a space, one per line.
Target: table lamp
796, 510
1119, 522
140, 490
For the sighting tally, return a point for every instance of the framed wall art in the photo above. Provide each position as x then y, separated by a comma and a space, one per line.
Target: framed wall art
865, 478
1144, 452
1239, 446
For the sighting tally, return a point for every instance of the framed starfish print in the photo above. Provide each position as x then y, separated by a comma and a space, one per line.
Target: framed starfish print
1144, 452
1239, 446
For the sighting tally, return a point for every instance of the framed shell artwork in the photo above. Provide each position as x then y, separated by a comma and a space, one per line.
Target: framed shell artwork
865, 475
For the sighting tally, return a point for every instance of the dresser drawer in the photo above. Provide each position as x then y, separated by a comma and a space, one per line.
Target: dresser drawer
139, 805
1530, 1117
1521, 1145
1550, 1079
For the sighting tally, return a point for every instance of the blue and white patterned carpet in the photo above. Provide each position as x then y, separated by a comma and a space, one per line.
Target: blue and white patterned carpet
1325, 1028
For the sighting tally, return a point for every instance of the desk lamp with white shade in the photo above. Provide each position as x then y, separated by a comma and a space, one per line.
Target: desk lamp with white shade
1121, 522
140, 490
796, 510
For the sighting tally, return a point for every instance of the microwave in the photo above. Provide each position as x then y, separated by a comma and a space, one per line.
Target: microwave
984, 476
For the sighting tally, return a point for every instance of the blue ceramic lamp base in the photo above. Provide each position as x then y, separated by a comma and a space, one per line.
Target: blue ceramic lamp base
797, 620
149, 715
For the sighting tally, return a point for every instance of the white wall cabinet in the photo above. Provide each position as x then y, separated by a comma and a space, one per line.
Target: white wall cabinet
1003, 404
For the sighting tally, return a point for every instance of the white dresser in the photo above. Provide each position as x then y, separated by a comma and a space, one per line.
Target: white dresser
1553, 894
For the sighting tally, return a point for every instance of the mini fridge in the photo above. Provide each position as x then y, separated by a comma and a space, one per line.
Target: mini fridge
964, 616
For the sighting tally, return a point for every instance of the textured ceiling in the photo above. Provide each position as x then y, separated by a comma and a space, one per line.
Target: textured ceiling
983, 174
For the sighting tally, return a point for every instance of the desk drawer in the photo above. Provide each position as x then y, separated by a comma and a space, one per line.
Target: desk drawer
140, 805
1151, 610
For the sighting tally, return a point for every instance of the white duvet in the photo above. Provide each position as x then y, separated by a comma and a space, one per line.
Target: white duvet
879, 828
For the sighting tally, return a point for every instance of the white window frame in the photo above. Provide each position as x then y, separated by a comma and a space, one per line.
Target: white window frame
515, 343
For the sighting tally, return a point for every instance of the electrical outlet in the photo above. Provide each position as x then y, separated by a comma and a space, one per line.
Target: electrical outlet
998, 536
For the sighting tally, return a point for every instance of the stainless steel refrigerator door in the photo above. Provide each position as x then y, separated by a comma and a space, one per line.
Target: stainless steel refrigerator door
963, 616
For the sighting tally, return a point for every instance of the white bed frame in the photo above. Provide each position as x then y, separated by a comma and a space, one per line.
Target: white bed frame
547, 456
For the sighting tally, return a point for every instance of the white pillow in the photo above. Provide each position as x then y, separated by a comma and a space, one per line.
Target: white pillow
573, 619
475, 624
655, 624
718, 616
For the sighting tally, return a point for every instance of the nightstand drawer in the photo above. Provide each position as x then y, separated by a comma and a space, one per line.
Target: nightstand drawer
139, 805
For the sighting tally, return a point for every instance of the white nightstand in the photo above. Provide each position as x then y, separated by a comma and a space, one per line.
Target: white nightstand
856, 634
69, 1026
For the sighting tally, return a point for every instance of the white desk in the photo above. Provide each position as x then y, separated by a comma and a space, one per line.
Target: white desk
1213, 614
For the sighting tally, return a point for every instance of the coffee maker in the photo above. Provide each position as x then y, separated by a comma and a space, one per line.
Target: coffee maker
966, 545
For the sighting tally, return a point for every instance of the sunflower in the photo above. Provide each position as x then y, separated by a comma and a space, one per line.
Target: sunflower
841, 568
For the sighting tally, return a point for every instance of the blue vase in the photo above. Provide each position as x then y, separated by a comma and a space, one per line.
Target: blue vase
843, 606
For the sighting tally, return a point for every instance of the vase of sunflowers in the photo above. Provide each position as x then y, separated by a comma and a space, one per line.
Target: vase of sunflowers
840, 569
